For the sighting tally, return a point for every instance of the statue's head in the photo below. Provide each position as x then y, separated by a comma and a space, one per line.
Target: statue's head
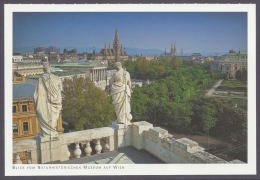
46, 68
118, 65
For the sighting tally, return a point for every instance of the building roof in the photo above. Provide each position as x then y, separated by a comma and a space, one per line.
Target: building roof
24, 90
196, 54
70, 73
73, 64
234, 53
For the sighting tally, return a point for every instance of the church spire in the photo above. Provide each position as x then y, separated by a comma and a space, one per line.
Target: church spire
116, 47
105, 49
172, 53
116, 36
174, 50
109, 50
122, 51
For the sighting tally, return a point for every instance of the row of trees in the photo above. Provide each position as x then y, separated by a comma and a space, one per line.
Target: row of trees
166, 101
153, 69
221, 117
176, 101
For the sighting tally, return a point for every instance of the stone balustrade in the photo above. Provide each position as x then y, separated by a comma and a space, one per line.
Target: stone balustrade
68, 146
141, 135
161, 144
79, 143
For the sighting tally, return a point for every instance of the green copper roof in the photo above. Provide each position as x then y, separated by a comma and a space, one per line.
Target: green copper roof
68, 73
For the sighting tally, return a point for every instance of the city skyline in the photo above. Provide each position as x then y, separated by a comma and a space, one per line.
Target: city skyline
190, 31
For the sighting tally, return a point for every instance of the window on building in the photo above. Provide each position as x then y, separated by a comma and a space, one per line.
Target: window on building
25, 126
14, 109
24, 108
15, 128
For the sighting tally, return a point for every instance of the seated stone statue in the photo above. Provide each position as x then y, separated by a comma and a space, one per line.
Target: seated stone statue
121, 93
48, 102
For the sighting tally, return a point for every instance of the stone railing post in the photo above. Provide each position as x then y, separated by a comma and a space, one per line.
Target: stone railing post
65, 153
50, 150
34, 157
68, 152
123, 134
29, 161
98, 147
88, 149
106, 146
138, 133
111, 141
77, 151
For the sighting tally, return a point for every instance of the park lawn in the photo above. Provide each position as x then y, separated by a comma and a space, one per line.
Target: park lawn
231, 85
231, 82
231, 88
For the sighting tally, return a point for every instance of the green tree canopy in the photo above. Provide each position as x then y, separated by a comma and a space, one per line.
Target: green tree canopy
85, 105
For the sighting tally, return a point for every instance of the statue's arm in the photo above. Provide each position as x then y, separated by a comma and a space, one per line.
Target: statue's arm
111, 81
129, 81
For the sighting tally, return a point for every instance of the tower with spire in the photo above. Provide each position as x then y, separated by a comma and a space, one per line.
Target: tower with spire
109, 50
121, 51
105, 50
173, 50
117, 47
113, 53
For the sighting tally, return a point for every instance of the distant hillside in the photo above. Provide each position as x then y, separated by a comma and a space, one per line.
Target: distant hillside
144, 52
129, 51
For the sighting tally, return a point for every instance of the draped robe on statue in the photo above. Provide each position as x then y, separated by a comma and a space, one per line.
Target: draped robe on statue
47, 103
121, 94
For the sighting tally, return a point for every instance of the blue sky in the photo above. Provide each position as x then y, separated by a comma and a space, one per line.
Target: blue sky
192, 32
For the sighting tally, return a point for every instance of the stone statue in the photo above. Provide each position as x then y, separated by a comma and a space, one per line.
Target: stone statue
121, 93
48, 102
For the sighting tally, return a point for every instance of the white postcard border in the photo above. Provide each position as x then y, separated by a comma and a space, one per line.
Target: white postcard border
128, 169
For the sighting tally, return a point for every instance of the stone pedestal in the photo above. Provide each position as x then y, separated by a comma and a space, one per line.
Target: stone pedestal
64, 153
34, 157
123, 134
50, 150
138, 137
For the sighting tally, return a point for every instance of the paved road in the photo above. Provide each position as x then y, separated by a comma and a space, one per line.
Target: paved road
212, 90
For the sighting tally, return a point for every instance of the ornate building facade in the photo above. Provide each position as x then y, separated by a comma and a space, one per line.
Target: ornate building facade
230, 63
